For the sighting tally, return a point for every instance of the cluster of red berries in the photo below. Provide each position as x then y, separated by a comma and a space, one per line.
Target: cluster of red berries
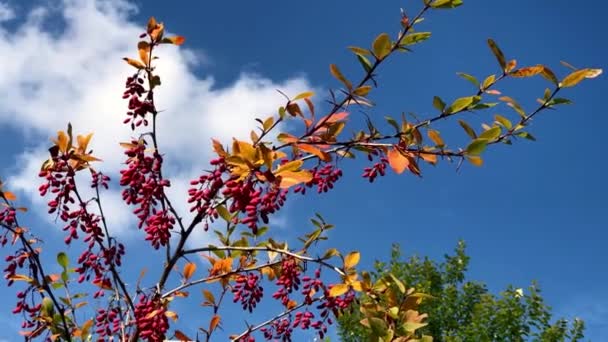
144, 187
279, 330
151, 321
205, 189
288, 281
378, 168
138, 107
107, 322
248, 291
324, 178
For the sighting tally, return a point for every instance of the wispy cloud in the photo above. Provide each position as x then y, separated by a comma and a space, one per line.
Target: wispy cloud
77, 75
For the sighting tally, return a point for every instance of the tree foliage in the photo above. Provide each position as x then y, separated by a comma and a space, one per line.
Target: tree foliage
465, 310
248, 181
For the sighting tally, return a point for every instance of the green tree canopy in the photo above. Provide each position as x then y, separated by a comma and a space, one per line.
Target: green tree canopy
465, 310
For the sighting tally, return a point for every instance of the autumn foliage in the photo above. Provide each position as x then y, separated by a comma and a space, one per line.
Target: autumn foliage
245, 184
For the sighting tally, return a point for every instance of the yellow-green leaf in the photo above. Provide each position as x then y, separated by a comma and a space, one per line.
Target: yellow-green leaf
491, 133
577, 76
338, 75
304, 95
382, 46
476, 147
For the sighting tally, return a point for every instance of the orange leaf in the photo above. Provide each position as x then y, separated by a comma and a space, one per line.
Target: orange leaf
172, 315
434, 135
144, 52
181, 336
189, 269
209, 296
286, 138
215, 320
324, 156
9, 196
151, 24
291, 178
291, 304
62, 141
176, 40
397, 161
429, 158
528, 71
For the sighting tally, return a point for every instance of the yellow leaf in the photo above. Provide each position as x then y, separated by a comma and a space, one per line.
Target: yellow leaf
579, 75
293, 165
338, 74
397, 161
304, 95
362, 90
144, 52
338, 290
134, 63
215, 320
351, 260
209, 296
20, 277
291, 178
189, 269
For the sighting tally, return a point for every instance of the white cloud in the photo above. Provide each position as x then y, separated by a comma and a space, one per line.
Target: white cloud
77, 76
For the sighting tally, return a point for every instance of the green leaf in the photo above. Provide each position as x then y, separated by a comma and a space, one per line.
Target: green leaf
223, 212
503, 121
491, 133
444, 4
477, 146
62, 260
525, 135
558, 101
500, 57
412, 326
378, 326
469, 78
382, 46
365, 63
470, 131
415, 38
359, 51
461, 104
393, 123
438, 103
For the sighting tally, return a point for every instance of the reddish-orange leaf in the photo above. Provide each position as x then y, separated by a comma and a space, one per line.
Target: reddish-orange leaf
291, 304
215, 320
189, 269
397, 161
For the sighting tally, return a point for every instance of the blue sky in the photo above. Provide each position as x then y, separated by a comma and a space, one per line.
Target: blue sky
534, 211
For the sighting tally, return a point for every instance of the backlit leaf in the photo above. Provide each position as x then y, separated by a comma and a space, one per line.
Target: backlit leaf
9, 196
476, 147
215, 320
351, 260
434, 135
338, 290
290, 178
397, 161
189, 269
144, 52
134, 63
181, 336
338, 75
469, 78
209, 296
461, 104
577, 76
438, 103
62, 260
304, 95
382, 46
475, 160
491, 133
176, 40
415, 38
